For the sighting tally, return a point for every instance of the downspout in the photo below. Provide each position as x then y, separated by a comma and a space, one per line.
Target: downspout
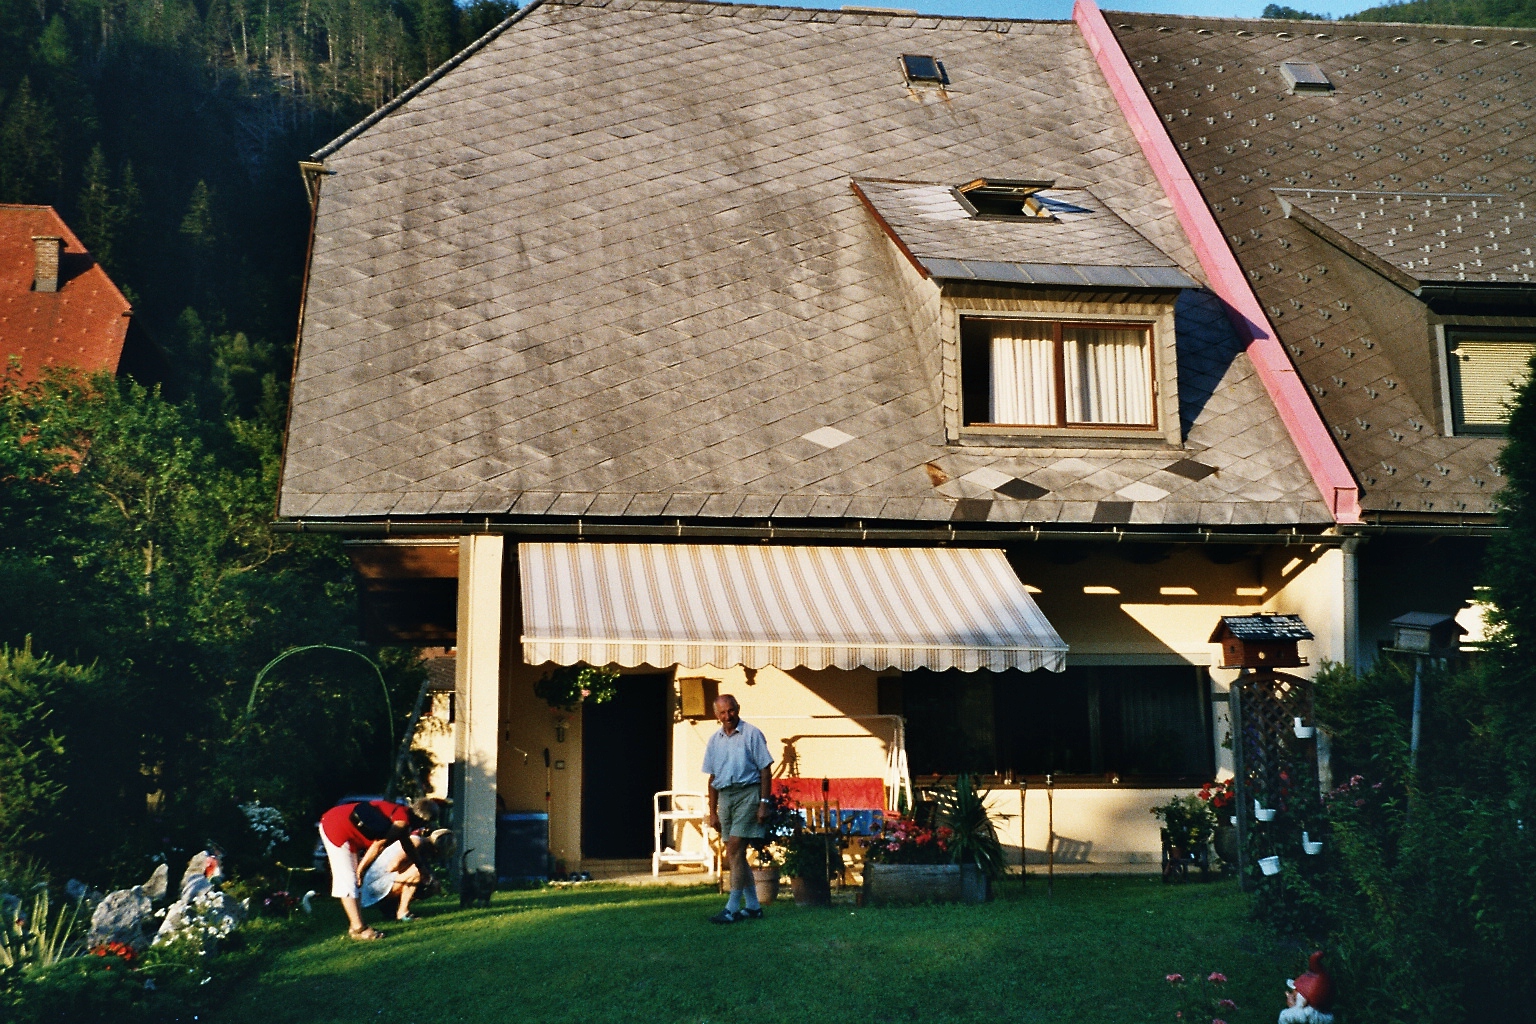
1306, 428
1349, 550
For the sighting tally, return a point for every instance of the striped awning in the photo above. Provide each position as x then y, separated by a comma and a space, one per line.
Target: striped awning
693, 605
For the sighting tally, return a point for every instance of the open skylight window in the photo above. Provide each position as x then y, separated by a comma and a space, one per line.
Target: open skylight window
921, 69
1304, 77
1001, 197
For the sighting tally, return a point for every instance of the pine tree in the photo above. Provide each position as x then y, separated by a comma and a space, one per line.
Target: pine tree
30, 167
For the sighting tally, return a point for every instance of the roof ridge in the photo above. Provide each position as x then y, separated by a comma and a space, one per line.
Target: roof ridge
1209, 19
417, 87
831, 11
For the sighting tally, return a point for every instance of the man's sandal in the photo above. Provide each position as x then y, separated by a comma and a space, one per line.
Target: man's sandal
365, 934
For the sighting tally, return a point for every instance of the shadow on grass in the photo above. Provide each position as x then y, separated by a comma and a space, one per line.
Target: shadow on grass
1095, 952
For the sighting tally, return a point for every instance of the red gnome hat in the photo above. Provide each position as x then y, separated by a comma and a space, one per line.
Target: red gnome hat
1315, 985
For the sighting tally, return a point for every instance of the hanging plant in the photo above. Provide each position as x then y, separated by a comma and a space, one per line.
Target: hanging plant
572, 685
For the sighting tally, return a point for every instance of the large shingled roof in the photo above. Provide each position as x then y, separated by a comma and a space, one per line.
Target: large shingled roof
612, 264
1422, 122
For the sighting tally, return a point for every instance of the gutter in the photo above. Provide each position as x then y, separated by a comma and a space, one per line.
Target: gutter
1316, 446
771, 532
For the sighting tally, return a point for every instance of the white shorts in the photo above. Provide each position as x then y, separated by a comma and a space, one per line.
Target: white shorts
343, 868
379, 880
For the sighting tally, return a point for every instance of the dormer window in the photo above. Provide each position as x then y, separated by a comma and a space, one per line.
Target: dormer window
1486, 371
998, 197
1043, 373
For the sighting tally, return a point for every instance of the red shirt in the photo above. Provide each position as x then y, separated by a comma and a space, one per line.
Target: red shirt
337, 825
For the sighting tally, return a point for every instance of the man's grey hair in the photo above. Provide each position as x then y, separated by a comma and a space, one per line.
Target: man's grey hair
727, 698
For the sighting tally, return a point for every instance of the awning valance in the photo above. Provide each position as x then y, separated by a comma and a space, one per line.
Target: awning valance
693, 605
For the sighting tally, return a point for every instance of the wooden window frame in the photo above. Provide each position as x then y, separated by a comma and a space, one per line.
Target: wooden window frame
1455, 401
1059, 373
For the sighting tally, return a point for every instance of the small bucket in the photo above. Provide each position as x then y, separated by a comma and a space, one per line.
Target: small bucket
1269, 865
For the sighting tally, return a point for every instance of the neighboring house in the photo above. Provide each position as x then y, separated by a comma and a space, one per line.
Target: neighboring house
826, 358
1374, 184
58, 308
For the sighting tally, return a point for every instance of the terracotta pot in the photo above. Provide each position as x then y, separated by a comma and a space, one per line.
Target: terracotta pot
766, 881
811, 892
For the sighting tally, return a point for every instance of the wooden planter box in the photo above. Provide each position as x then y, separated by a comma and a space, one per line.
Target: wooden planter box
888, 884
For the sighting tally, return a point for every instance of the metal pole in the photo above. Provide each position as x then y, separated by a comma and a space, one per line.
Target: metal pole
1418, 713
1239, 780
1050, 836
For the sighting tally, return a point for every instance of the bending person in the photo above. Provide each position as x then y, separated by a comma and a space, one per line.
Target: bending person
354, 834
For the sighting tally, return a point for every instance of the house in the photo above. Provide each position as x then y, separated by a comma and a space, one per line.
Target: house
873, 367
58, 308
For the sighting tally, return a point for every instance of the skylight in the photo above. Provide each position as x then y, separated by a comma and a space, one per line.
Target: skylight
922, 69
1303, 77
1001, 197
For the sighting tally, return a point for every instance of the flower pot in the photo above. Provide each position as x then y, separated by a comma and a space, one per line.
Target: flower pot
1226, 842
1312, 849
811, 892
1304, 732
1263, 813
1269, 865
887, 884
766, 880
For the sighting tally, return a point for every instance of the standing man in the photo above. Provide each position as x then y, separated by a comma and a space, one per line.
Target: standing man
737, 761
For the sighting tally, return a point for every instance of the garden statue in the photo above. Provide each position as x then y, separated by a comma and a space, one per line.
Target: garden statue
1309, 998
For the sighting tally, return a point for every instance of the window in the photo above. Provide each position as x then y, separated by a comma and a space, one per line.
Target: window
1146, 724
1485, 368
922, 69
1304, 77
992, 197
1040, 373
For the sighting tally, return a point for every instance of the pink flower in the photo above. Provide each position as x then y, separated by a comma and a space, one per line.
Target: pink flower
1174, 979
1217, 977
1217, 1020
1359, 803
1227, 1004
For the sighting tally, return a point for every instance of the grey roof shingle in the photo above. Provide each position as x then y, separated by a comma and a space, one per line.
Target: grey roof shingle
1421, 112
611, 264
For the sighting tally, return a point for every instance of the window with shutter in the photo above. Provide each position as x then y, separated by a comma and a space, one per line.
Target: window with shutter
1485, 371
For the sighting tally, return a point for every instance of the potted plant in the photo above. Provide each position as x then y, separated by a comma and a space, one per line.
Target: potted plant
570, 686
973, 840
766, 856
1188, 826
1223, 803
807, 863
910, 863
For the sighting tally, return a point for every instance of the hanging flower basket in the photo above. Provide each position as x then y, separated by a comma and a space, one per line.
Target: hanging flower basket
1269, 865
1303, 732
571, 686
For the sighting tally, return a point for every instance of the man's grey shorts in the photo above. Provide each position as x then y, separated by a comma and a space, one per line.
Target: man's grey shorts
737, 806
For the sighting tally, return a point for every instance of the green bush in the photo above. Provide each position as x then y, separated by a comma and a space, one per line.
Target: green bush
31, 747
1424, 893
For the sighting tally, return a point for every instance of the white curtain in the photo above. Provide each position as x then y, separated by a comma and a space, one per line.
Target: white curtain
1108, 375
1023, 383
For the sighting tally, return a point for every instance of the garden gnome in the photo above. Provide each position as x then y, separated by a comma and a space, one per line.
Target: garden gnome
1309, 998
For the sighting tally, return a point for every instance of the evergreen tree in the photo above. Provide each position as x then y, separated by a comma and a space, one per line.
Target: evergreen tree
30, 165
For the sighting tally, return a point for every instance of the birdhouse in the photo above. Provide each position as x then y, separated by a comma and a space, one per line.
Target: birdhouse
1260, 641
1426, 633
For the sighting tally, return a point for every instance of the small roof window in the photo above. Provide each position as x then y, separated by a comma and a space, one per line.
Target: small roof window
1303, 77
1002, 197
922, 69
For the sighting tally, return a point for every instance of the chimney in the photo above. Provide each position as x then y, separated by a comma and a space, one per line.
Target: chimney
49, 248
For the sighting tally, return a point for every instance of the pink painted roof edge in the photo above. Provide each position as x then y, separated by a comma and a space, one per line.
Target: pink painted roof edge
1300, 416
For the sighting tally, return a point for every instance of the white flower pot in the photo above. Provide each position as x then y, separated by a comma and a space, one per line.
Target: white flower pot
1313, 849
1304, 732
1263, 813
1269, 865
1232, 819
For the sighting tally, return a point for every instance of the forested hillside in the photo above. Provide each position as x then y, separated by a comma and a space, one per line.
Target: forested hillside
1455, 12
141, 588
166, 132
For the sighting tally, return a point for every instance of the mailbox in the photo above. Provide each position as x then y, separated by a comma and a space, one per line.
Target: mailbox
1426, 633
1260, 641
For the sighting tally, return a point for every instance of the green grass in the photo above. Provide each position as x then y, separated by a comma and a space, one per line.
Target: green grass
1096, 952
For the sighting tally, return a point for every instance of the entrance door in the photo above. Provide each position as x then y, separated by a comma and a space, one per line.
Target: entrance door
623, 764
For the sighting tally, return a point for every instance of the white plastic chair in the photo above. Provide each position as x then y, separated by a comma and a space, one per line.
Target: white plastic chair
687, 809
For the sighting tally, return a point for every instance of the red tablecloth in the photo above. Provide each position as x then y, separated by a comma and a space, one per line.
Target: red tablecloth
849, 794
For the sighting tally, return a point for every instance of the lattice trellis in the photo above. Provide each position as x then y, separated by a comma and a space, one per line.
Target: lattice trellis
1268, 704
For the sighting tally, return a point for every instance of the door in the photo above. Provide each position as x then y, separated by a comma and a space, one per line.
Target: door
623, 764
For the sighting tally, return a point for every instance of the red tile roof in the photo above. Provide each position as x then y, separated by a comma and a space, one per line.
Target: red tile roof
81, 325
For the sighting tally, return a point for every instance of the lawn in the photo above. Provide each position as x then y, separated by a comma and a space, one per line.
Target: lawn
1096, 952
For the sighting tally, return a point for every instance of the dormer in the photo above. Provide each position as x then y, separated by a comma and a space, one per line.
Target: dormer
1050, 317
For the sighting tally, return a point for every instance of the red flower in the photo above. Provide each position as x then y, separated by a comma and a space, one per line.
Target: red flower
1174, 979
1217, 977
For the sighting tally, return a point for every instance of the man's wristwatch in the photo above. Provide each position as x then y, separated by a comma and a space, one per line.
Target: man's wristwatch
764, 800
